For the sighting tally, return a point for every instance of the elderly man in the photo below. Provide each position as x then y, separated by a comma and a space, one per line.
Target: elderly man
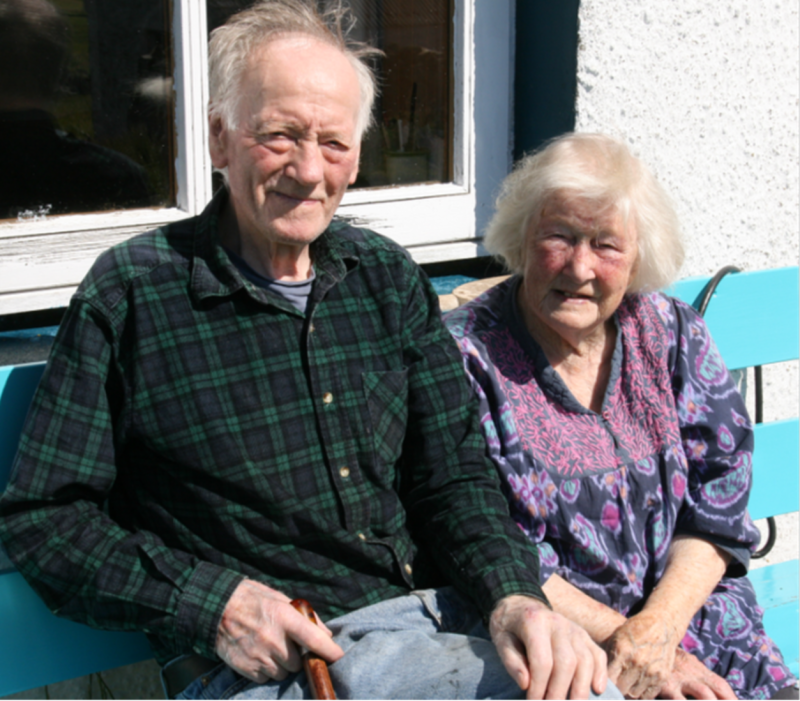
258, 404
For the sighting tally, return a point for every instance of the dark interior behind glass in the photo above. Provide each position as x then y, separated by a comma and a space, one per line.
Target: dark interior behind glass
86, 106
412, 138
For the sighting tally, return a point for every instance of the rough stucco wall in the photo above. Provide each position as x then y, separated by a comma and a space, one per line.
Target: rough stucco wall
707, 94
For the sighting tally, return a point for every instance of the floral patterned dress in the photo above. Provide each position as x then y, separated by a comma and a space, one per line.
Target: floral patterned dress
603, 494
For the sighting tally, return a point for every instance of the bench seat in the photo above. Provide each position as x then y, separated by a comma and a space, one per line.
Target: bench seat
754, 319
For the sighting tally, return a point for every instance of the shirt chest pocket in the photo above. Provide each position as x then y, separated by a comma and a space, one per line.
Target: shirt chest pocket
386, 394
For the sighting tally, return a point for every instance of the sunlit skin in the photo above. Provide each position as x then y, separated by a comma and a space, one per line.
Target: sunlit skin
292, 155
579, 259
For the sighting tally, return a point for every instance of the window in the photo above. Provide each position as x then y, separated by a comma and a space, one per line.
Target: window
86, 107
428, 171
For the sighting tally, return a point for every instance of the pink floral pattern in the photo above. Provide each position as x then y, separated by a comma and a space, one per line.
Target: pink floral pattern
602, 494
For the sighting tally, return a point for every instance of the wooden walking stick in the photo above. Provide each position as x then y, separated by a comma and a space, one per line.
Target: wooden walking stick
316, 669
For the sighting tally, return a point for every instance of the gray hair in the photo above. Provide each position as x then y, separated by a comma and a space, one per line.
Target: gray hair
600, 169
233, 43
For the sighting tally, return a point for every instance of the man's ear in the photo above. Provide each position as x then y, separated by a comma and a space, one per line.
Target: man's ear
354, 174
217, 141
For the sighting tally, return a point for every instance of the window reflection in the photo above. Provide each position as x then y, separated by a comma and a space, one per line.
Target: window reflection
85, 106
411, 142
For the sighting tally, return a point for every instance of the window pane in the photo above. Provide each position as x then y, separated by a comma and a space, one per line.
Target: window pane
86, 106
412, 140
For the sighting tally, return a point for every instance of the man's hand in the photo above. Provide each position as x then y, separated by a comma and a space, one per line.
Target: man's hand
260, 630
544, 652
641, 655
691, 678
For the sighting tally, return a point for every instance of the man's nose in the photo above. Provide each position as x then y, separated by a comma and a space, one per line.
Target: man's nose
306, 163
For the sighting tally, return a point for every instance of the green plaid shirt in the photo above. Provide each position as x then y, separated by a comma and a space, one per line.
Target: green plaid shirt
192, 429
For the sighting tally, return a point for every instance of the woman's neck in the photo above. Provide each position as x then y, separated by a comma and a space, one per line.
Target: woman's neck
582, 361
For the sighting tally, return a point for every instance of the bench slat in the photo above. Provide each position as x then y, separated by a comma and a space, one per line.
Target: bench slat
777, 589
753, 316
775, 463
17, 385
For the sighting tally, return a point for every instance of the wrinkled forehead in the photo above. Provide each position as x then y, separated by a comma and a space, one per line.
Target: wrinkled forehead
588, 212
297, 65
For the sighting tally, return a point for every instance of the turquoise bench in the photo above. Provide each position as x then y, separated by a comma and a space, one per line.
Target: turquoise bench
754, 319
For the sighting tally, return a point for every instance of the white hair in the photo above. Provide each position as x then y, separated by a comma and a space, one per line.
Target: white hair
600, 169
232, 44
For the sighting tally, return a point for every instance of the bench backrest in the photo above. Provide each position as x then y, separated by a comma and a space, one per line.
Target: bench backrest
36, 647
753, 318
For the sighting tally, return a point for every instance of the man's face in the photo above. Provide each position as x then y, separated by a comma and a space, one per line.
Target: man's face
294, 150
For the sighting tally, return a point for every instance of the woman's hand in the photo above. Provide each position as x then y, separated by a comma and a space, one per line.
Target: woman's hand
644, 664
691, 678
641, 655
642, 650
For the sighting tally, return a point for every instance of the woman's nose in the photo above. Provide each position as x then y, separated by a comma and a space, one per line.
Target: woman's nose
581, 261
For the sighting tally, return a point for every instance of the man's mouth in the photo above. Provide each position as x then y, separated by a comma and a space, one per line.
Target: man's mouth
298, 199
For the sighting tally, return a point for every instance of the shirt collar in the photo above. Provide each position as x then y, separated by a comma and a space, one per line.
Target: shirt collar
214, 275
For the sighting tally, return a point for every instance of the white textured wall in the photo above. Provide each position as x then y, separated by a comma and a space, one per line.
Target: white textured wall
706, 92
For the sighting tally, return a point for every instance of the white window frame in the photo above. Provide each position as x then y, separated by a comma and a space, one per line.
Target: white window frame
43, 261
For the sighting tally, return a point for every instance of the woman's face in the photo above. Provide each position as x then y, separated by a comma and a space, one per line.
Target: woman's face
578, 260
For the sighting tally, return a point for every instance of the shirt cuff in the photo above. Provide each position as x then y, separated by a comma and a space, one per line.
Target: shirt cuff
505, 582
201, 605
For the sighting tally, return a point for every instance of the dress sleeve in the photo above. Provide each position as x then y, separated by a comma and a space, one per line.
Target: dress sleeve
452, 495
84, 565
717, 439
502, 443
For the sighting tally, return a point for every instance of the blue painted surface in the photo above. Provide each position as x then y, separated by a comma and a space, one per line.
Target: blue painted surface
445, 284
30, 333
17, 385
38, 648
777, 589
753, 316
775, 463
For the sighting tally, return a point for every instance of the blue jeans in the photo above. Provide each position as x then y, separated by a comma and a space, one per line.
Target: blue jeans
431, 644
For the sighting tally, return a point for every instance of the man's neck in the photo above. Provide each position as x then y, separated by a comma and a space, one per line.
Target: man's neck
277, 261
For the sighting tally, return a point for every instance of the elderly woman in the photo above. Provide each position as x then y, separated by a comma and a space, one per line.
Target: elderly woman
621, 441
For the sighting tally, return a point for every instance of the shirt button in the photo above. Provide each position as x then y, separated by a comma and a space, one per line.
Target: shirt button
362, 536
344, 471
327, 398
407, 568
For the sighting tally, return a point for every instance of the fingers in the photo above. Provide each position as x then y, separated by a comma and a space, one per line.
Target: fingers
697, 681
600, 675
641, 657
260, 630
548, 655
512, 655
